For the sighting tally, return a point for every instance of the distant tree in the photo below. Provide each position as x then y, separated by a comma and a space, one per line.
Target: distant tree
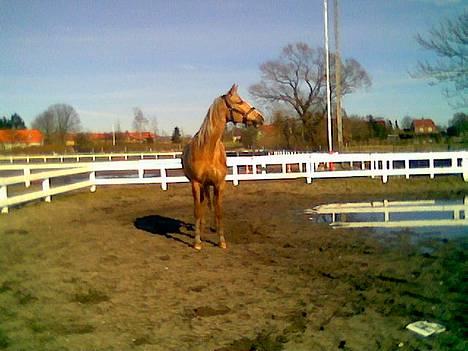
406, 122
83, 143
17, 122
46, 124
249, 137
153, 123
458, 125
67, 120
140, 122
358, 129
4, 123
56, 122
176, 137
297, 80
449, 42
14, 122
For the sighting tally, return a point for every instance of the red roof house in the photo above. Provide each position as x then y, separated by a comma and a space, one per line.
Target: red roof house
10, 138
423, 126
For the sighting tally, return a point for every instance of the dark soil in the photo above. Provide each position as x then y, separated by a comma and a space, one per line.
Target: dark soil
115, 270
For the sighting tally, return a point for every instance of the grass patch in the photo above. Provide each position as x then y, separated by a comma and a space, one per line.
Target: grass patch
6, 286
4, 340
262, 342
92, 296
74, 328
24, 297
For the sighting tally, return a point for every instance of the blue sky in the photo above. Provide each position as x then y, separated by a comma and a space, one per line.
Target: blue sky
172, 58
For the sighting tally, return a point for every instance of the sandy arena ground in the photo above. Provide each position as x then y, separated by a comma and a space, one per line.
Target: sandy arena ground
115, 270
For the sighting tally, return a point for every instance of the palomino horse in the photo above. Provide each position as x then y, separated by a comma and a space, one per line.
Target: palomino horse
204, 158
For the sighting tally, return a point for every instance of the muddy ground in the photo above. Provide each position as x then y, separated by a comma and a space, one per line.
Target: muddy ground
115, 270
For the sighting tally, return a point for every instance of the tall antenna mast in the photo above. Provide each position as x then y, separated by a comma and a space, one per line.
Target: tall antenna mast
339, 120
327, 64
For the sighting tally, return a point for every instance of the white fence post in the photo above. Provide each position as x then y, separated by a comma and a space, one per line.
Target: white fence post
163, 179
92, 178
4, 196
384, 171
27, 174
407, 168
46, 188
235, 174
465, 168
431, 167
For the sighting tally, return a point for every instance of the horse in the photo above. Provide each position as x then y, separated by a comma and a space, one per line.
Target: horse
204, 157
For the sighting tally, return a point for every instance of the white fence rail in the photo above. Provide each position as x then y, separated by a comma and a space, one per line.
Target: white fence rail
166, 171
87, 157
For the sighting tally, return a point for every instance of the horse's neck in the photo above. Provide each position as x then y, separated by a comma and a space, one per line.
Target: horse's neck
214, 139
218, 123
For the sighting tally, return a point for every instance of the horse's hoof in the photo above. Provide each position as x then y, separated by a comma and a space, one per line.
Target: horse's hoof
222, 245
197, 246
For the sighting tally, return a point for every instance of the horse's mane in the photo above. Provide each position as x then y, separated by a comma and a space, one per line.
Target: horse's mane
206, 129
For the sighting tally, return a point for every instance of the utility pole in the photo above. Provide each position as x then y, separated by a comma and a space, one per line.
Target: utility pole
327, 64
339, 120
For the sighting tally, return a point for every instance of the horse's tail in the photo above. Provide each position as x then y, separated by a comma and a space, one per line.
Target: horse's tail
207, 193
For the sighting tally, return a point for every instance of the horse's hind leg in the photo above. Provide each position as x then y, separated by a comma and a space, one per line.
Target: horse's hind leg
218, 197
198, 199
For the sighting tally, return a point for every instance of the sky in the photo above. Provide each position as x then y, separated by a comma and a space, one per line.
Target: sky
172, 58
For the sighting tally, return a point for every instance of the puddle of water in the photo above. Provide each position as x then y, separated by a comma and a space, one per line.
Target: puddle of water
426, 218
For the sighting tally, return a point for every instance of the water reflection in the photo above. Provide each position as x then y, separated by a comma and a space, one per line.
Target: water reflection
421, 216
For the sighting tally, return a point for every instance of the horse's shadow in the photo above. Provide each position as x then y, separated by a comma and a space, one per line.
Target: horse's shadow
170, 228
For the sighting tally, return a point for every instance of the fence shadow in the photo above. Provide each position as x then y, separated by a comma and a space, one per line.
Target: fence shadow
170, 228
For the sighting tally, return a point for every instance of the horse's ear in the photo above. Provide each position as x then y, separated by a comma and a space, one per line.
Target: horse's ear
233, 89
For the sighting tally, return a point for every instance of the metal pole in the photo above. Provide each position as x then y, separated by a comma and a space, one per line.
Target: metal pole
327, 64
339, 120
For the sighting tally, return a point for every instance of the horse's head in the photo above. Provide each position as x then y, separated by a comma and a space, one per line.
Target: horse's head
240, 111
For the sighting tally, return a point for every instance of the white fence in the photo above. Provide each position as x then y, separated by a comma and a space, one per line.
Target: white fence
87, 157
268, 167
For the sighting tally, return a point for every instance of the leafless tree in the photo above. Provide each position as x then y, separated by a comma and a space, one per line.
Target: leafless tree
140, 122
67, 120
46, 124
153, 122
406, 122
297, 79
449, 41
56, 122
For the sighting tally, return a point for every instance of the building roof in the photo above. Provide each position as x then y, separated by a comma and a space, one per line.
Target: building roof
423, 122
267, 128
24, 136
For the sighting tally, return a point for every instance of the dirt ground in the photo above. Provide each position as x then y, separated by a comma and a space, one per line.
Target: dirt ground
114, 270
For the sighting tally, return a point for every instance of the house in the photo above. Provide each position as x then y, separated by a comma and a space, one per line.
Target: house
267, 130
138, 137
10, 138
423, 126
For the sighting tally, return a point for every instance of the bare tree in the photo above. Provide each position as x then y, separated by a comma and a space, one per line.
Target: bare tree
297, 79
153, 122
406, 122
46, 124
67, 120
140, 122
449, 41
56, 122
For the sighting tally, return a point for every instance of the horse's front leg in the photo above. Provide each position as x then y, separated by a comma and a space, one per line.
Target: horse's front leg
198, 199
218, 198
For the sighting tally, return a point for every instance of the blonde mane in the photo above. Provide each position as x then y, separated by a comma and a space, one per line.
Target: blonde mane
206, 129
